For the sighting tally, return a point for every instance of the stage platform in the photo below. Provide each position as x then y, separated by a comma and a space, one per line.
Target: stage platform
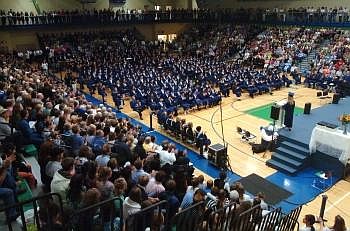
304, 124
292, 154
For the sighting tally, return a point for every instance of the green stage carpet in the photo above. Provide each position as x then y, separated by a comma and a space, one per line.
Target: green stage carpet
264, 111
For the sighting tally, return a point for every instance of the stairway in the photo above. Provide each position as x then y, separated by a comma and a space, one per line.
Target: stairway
304, 65
290, 157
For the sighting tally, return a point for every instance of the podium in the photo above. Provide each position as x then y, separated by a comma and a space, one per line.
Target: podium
217, 155
280, 122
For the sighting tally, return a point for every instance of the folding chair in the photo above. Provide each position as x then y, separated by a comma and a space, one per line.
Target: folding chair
248, 137
240, 131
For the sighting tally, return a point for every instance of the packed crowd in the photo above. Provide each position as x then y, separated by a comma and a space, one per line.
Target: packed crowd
88, 155
111, 16
330, 68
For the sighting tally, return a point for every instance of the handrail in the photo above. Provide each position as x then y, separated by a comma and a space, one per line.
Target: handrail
181, 216
141, 216
81, 212
296, 222
36, 216
185, 16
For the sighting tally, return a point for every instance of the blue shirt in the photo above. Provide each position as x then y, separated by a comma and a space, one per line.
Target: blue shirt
102, 160
136, 175
187, 200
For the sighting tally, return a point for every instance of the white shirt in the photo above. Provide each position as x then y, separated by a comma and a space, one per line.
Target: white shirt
166, 157
266, 137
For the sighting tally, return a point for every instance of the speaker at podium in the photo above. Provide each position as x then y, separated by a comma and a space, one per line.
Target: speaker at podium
217, 155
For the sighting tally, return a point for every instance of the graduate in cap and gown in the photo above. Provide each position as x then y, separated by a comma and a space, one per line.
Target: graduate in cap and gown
289, 111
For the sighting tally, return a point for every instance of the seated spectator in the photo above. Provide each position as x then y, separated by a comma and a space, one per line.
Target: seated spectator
20, 167
5, 128
23, 124
202, 141
7, 192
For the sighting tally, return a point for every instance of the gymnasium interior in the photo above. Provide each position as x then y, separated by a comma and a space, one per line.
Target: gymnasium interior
205, 115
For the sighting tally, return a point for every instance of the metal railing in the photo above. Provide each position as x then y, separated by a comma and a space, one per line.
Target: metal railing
222, 219
35, 201
153, 217
189, 219
103, 214
187, 16
290, 222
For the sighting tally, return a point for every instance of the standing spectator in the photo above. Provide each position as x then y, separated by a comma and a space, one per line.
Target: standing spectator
76, 140
138, 171
61, 179
155, 186
102, 160
132, 203
169, 196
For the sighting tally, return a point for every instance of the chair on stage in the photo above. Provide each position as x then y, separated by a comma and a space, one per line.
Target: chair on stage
323, 180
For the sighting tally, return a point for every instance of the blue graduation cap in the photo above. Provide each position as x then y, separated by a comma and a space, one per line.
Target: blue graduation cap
290, 94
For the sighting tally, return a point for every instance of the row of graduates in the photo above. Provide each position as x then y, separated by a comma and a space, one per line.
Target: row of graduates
179, 128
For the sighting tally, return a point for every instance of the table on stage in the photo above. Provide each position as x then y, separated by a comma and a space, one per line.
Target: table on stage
331, 142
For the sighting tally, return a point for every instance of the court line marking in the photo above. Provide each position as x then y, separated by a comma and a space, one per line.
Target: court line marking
337, 202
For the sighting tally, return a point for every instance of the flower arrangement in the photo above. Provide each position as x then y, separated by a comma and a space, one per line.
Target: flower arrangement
345, 118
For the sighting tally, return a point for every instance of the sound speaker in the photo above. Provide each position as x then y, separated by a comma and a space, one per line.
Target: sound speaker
336, 98
217, 155
275, 112
307, 108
